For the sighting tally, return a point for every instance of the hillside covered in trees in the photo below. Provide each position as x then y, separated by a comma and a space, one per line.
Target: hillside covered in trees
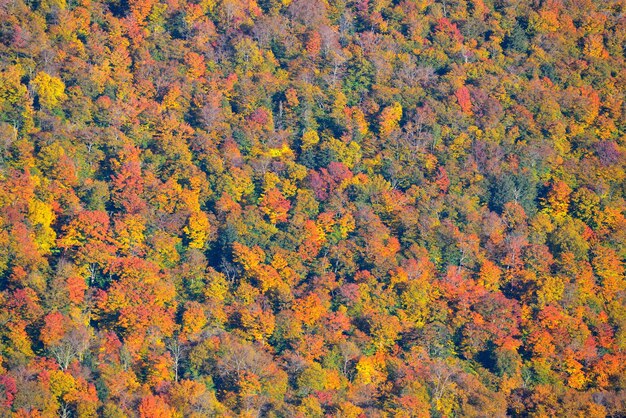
312, 208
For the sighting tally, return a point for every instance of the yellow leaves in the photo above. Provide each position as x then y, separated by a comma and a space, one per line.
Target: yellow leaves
164, 292
249, 385
384, 330
551, 290
309, 309
334, 380
130, 232
365, 370
197, 189
49, 89
172, 99
339, 105
416, 299
11, 88
238, 184
310, 407
460, 145
259, 325
349, 410
313, 378
163, 248
249, 258
159, 370
268, 278
558, 199
446, 404
280, 152
41, 216
489, 276
389, 119
371, 370
208, 5
157, 13
100, 73
346, 225
197, 230
309, 139
610, 269
62, 384
217, 287
19, 339
194, 318
594, 46
289, 188
248, 54
349, 154
577, 378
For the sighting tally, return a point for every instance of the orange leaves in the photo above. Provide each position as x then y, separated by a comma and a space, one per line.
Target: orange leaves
313, 239
129, 234
291, 206
541, 343
141, 297
489, 276
371, 370
194, 318
545, 21
463, 98
265, 276
127, 182
309, 309
196, 64
389, 119
250, 259
442, 181
76, 287
444, 26
154, 407
610, 269
88, 237
314, 43
594, 46
257, 324
54, 328
292, 97
385, 330
274, 205
558, 198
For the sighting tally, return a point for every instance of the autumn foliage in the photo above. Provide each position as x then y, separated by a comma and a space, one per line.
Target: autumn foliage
311, 208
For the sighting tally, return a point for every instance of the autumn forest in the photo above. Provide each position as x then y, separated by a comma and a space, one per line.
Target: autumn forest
312, 208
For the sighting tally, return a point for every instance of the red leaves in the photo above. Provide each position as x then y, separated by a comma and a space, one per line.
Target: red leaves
463, 98
445, 26
8, 391
442, 181
260, 117
127, 183
54, 328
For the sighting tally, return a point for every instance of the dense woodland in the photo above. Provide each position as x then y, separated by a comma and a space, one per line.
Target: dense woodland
310, 208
